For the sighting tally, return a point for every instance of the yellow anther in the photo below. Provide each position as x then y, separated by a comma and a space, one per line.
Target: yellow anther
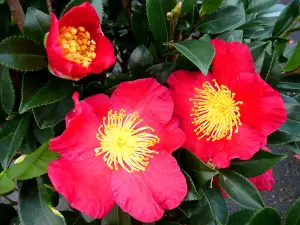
76, 45
124, 142
215, 113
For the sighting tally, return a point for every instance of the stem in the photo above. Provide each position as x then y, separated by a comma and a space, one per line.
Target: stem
172, 28
49, 6
296, 71
17, 12
127, 7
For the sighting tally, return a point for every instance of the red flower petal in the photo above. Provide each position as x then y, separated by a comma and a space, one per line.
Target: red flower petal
144, 195
263, 107
264, 182
171, 137
231, 59
85, 184
100, 104
150, 99
78, 141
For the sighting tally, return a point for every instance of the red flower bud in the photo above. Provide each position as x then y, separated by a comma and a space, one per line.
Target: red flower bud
76, 45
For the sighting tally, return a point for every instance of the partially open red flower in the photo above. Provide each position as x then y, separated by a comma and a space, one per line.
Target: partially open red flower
76, 45
229, 113
118, 150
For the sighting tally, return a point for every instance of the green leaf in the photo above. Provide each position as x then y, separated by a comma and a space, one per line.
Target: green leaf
42, 135
226, 18
5, 18
21, 53
50, 115
210, 6
255, 6
6, 184
197, 169
139, 61
73, 218
240, 189
266, 216
116, 217
187, 5
6, 213
35, 205
286, 18
293, 216
53, 91
294, 61
157, 17
98, 5
241, 217
161, 71
293, 147
192, 194
281, 137
140, 26
232, 36
13, 141
36, 24
289, 87
28, 145
261, 162
217, 205
33, 165
199, 52
291, 127
7, 92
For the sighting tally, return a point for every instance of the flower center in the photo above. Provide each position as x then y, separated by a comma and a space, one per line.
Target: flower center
124, 143
215, 113
77, 45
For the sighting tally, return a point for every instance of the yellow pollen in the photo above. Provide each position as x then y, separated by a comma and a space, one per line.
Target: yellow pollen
124, 142
215, 113
77, 45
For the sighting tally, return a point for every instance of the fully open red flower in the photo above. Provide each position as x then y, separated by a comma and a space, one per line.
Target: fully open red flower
118, 149
229, 113
76, 45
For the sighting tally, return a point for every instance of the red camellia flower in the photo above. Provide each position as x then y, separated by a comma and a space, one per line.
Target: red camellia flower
76, 45
229, 113
118, 150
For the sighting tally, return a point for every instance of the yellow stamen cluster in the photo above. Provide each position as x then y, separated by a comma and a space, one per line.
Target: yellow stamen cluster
77, 45
215, 113
124, 142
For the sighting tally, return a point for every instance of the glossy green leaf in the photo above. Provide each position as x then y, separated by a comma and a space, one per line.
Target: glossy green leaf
261, 162
197, 169
281, 137
140, 26
52, 92
139, 61
293, 215
272, 12
5, 18
240, 189
291, 127
293, 147
43, 135
210, 6
217, 205
6, 184
157, 17
21, 53
13, 141
7, 92
192, 194
29, 144
266, 216
241, 217
35, 205
33, 165
36, 24
294, 60
50, 115
286, 18
255, 6
7, 212
187, 5
226, 18
290, 87
161, 71
116, 217
98, 5
198, 52
232, 36
73, 218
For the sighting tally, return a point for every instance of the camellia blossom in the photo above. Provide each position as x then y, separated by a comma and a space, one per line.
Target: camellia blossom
76, 45
118, 150
230, 112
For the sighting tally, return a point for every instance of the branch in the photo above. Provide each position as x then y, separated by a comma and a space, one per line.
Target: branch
49, 6
17, 12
